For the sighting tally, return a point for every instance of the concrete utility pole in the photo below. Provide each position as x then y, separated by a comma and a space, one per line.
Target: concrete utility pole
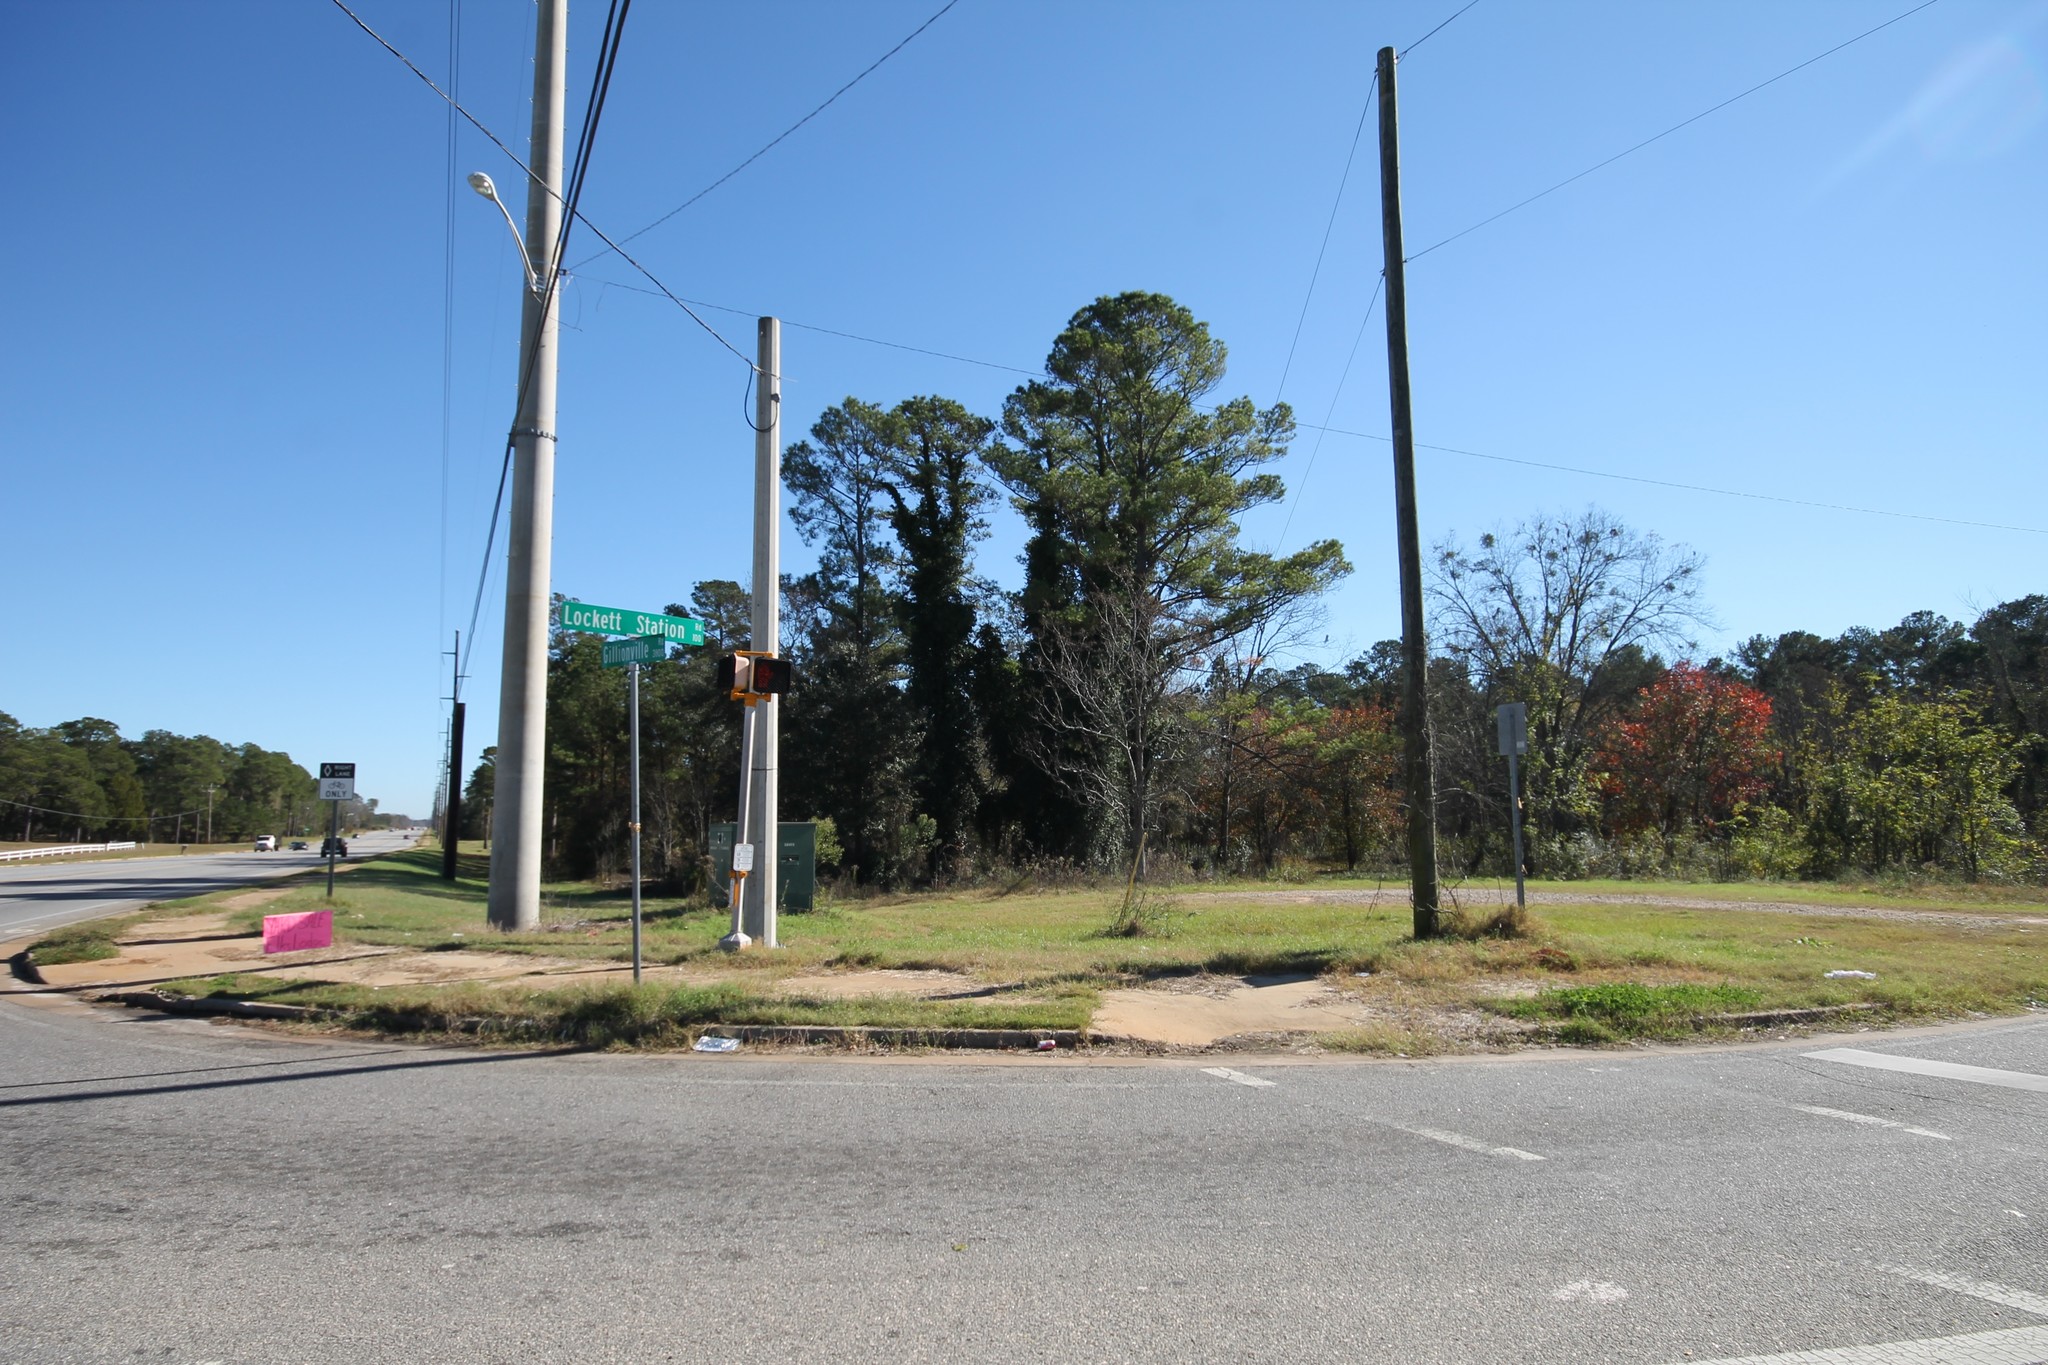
523, 691
765, 715
1418, 758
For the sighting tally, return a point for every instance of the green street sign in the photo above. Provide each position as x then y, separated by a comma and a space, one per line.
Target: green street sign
642, 649
683, 630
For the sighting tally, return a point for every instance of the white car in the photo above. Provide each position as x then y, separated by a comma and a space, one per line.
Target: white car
267, 844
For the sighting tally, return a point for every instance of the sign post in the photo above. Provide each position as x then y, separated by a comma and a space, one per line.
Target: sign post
337, 784
1512, 721
631, 654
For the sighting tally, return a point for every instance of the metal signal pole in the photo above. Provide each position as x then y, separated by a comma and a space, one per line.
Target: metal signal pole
523, 689
1418, 760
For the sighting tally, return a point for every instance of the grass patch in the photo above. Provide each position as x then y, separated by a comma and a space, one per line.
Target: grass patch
88, 942
622, 1015
1591, 973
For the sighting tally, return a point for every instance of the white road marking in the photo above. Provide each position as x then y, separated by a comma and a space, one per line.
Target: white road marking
1589, 1291
1225, 1073
1470, 1144
1872, 1120
2013, 1346
1920, 1066
1977, 1289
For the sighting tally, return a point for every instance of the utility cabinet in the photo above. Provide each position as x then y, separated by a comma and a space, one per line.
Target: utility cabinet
796, 864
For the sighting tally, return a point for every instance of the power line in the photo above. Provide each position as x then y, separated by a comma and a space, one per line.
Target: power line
771, 144
1419, 445
1704, 488
532, 178
1669, 131
1328, 227
98, 819
1324, 430
1433, 32
825, 331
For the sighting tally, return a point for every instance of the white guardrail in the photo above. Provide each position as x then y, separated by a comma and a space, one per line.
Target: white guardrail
60, 850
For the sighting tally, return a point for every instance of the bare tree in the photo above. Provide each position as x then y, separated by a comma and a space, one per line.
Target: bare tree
1564, 613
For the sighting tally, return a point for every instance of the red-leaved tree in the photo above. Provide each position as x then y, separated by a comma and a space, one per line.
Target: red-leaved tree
1694, 747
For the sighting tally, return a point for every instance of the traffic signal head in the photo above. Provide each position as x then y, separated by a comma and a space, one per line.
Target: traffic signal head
734, 673
771, 677
756, 675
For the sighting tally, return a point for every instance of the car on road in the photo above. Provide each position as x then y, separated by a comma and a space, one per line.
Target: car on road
335, 847
300, 845
267, 844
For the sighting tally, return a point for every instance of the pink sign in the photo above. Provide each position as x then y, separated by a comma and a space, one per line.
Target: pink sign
290, 933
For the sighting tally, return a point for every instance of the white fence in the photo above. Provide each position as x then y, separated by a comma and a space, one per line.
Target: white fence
60, 850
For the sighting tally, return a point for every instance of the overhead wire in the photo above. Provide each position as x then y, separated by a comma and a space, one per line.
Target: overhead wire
771, 144
549, 287
499, 143
1317, 273
99, 819
1630, 151
1419, 445
448, 309
1342, 379
1402, 55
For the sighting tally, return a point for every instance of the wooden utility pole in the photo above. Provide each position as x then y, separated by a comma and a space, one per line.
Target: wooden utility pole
1418, 758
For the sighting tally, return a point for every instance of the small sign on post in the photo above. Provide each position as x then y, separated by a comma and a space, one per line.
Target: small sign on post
743, 858
337, 781
684, 630
337, 784
1512, 720
641, 649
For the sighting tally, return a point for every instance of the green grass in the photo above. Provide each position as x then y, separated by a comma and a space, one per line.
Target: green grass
1590, 972
88, 942
623, 1015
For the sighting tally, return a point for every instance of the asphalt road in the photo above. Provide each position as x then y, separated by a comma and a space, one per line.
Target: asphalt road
184, 1192
38, 897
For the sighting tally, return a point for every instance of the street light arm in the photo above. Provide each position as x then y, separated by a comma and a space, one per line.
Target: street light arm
481, 183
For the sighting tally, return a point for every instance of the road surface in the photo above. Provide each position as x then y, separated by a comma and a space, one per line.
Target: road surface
177, 1191
38, 897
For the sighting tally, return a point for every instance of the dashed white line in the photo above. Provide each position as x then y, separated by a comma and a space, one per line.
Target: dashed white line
1872, 1120
2014, 1346
1470, 1144
1226, 1074
1976, 1289
1921, 1066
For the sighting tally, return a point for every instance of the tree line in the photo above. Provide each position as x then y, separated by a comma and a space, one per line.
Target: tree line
1131, 704
82, 781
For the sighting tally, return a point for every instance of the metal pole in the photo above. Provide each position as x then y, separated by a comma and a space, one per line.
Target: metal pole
767, 625
522, 694
333, 842
1515, 819
453, 805
1418, 760
633, 691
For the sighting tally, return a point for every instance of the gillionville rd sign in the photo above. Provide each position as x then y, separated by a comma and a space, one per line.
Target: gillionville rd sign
644, 649
684, 630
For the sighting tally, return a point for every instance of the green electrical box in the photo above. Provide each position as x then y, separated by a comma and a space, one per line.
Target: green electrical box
796, 865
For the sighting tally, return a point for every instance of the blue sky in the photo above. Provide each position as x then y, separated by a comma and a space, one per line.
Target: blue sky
223, 492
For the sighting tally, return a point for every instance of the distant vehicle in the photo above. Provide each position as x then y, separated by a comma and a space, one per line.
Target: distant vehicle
267, 844
336, 847
299, 845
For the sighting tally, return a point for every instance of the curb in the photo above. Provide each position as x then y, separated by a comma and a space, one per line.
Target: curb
850, 1036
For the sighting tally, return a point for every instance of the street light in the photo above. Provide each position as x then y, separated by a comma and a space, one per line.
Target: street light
481, 183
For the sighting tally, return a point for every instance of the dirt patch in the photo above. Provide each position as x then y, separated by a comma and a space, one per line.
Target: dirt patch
1196, 1012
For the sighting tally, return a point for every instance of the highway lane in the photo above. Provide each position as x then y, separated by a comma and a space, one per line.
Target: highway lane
194, 1192
38, 897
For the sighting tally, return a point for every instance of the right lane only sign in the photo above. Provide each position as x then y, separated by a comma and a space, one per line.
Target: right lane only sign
337, 781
